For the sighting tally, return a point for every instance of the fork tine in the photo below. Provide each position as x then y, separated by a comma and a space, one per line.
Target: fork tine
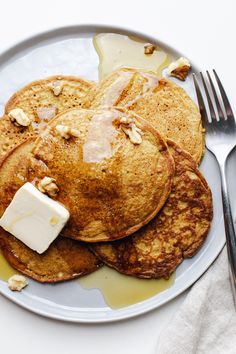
209, 100
218, 105
228, 109
201, 104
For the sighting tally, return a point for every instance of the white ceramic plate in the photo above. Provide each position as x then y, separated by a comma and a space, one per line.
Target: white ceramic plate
70, 51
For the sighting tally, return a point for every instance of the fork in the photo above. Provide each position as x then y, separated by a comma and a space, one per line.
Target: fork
220, 140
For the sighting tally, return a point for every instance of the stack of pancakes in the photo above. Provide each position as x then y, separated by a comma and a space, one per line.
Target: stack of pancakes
140, 208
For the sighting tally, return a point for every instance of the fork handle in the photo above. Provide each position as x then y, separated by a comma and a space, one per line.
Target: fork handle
229, 228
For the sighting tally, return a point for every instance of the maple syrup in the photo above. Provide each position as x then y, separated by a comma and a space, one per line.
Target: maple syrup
121, 290
116, 51
6, 271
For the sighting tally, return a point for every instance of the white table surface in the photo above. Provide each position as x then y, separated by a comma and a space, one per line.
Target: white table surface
203, 30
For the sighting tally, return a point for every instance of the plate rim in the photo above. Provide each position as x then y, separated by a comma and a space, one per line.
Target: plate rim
66, 31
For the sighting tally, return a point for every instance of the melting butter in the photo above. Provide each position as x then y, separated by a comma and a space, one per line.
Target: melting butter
148, 87
6, 271
121, 290
116, 51
114, 91
100, 136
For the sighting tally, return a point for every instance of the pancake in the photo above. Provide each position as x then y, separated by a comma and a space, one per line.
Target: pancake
160, 101
13, 172
65, 259
40, 104
110, 185
177, 232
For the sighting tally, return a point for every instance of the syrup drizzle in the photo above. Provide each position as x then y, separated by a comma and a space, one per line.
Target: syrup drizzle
100, 136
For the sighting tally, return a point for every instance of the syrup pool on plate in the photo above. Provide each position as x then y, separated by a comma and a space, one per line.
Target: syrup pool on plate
121, 290
116, 51
6, 271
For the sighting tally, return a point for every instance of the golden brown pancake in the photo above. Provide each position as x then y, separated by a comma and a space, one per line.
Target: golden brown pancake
110, 186
160, 101
65, 259
177, 232
13, 172
40, 104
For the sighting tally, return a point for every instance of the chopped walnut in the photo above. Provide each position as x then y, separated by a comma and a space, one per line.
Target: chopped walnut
48, 186
17, 282
20, 177
179, 69
66, 132
129, 127
181, 73
149, 48
19, 118
56, 87
126, 121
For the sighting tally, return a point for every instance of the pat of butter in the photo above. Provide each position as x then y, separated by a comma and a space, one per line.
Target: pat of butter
34, 218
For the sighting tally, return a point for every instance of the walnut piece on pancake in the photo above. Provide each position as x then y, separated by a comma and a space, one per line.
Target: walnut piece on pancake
56, 87
67, 132
179, 68
149, 48
129, 127
17, 282
48, 186
19, 118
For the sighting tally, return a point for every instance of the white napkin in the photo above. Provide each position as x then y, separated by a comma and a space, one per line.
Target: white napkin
206, 321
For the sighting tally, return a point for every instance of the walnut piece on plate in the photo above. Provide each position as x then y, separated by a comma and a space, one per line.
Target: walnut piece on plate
149, 48
17, 282
179, 68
